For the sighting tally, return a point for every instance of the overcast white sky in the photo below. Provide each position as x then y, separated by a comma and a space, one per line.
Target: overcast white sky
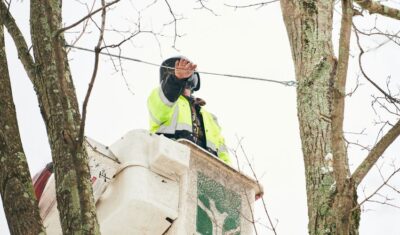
250, 42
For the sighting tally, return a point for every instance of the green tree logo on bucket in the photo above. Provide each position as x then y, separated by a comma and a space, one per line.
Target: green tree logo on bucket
218, 208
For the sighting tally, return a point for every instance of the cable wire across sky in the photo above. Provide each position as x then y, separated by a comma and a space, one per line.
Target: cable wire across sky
286, 83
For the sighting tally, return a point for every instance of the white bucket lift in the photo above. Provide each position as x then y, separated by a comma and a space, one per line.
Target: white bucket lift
146, 184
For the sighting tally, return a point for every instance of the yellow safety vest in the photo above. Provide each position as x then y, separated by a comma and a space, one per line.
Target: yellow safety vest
166, 117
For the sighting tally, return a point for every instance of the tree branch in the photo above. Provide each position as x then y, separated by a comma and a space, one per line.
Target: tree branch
174, 21
339, 93
19, 202
19, 40
84, 27
257, 5
273, 228
86, 17
96, 65
375, 7
385, 183
376, 153
203, 6
390, 98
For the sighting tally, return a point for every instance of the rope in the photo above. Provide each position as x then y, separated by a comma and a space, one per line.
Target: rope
286, 83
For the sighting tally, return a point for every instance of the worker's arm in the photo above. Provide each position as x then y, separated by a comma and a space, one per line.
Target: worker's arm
172, 87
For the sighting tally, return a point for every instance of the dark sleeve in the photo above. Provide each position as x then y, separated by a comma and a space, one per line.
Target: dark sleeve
172, 87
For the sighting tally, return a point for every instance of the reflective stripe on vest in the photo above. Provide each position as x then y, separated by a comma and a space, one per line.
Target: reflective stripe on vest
154, 119
180, 120
171, 127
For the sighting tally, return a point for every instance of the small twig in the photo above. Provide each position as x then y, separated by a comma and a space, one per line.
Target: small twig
174, 21
258, 183
124, 77
368, 148
380, 132
393, 188
247, 197
251, 212
389, 97
375, 153
385, 182
82, 32
86, 17
96, 64
151, 4
118, 46
355, 88
383, 106
385, 203
203, 6
390, 36
257, 5
362, 132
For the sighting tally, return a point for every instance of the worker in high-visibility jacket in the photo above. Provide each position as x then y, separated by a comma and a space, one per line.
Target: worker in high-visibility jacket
176, 114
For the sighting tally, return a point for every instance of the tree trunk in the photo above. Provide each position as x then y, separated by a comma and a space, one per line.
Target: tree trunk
60, 111
19, 202
309, 27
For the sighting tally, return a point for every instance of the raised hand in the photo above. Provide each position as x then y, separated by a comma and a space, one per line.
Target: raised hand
184, 68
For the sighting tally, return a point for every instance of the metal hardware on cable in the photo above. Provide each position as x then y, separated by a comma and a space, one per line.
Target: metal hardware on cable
286, 83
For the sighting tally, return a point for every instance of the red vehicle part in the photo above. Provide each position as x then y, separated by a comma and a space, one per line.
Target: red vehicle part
40, 180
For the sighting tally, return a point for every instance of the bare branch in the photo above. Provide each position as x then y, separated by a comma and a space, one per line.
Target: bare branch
247, 197
339, 89
393, 188
376, 153
174, 21
385, 183
258, 183
385, 203
151, 4
82, 32
123, 41
362, 132
355, 88
257, 5
19, 40
384, 106
375, 31
86, 17
16, 189
362, 147
388, 96
96, 64
203, 6
380, 33
374, 7
121, 68
380, 132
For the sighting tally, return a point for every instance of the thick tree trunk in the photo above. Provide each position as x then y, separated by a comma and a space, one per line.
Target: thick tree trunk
309, 27
19, 202
60, 110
